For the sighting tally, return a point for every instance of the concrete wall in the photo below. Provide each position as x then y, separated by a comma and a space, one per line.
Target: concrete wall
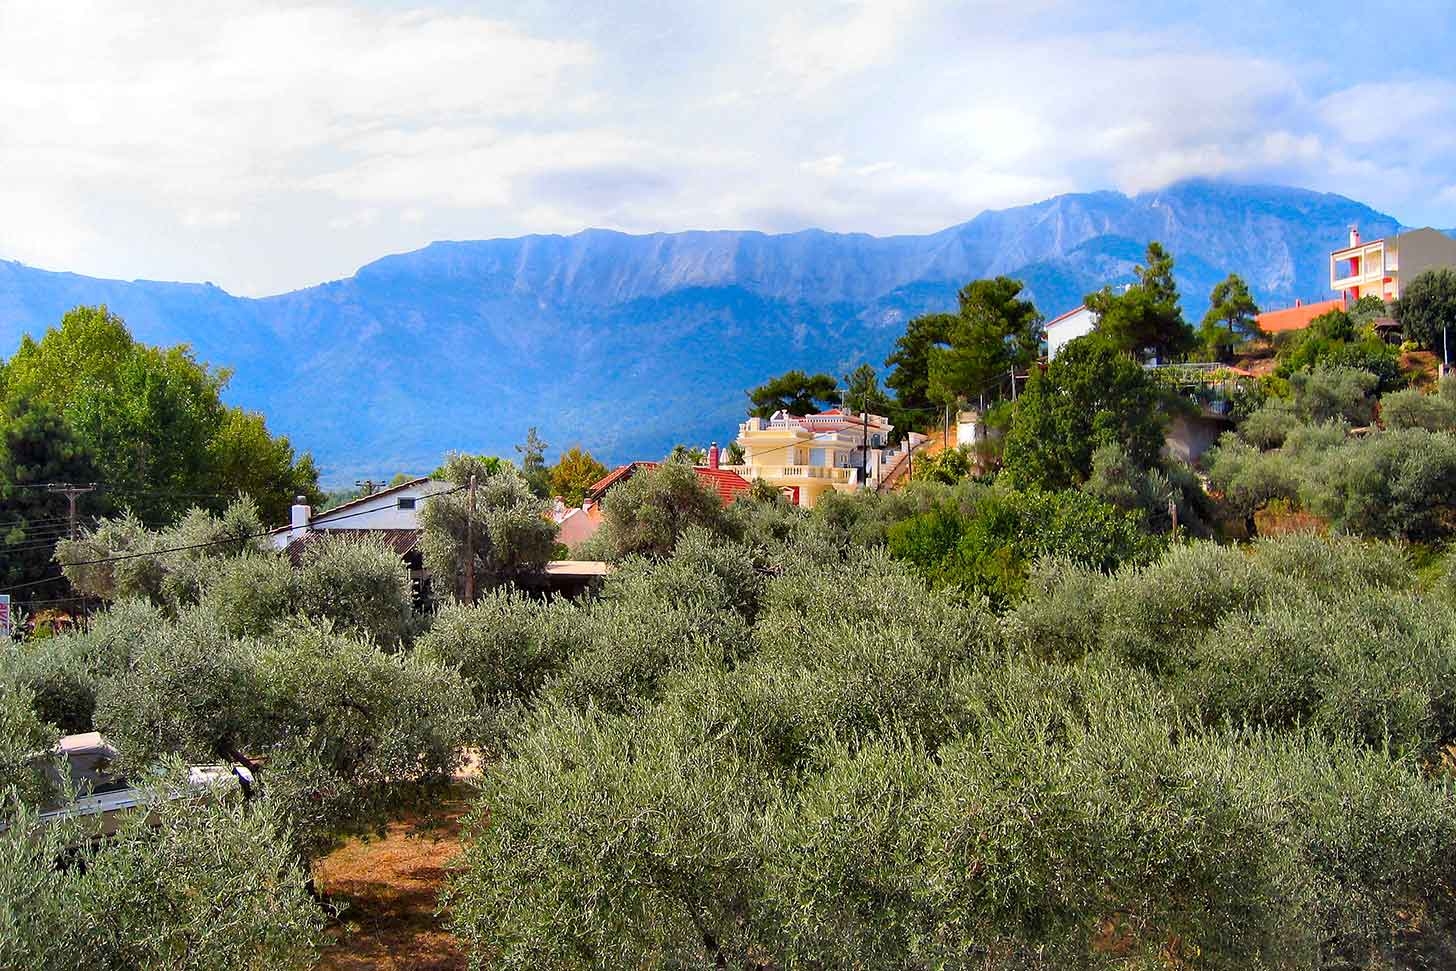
1423, 249
1069, 328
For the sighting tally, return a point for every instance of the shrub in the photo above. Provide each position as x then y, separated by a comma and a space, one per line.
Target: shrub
649, 512
63, 672
22, 737
1412, 409
644, 828
1333, 393
249, 594
192, 884
1399, 484
991, 552
506, 647
359, 583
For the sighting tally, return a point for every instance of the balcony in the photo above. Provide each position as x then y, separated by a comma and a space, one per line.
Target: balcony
820, 473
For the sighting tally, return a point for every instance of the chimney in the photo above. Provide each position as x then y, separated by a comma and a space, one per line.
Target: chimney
299, 517
713, 456
1354, 235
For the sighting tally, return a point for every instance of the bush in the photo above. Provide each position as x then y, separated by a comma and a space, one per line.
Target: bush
649, 512
359, 583
506, 647
1399, 484
1412, 409
63, 672
1334, 394
991, 552
249, 594
1372, 667
22, 737
192, 884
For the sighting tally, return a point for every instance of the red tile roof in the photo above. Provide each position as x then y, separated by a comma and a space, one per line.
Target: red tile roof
1296, 318
725, 482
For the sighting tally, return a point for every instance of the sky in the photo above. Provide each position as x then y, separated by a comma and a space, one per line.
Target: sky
267, 146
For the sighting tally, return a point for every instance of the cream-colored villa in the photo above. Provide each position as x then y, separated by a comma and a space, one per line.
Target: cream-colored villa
809, 455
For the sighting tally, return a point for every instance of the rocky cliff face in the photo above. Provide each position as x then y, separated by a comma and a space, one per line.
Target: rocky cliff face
627, 344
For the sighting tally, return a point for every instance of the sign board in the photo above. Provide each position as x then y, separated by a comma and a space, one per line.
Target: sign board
4, 615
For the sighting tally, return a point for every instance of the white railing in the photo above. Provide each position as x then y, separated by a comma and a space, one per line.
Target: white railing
830, 473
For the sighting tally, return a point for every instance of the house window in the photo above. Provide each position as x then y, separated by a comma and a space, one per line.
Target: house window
406, 502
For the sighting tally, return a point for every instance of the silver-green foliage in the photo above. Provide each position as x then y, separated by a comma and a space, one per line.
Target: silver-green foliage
511, 534
193, 884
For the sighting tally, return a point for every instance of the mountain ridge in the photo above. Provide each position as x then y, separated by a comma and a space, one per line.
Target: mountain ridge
627, 343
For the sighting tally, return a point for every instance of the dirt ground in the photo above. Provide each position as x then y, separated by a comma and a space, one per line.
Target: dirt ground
390, 887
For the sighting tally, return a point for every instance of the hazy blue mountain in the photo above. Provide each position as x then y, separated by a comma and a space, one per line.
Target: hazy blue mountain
628, 344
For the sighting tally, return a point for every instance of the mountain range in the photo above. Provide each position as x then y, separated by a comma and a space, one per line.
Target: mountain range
627, 344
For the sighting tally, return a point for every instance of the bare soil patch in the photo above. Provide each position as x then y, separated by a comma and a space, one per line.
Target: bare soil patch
390, 887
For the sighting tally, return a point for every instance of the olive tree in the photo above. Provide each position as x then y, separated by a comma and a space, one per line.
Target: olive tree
196, 883
510, 532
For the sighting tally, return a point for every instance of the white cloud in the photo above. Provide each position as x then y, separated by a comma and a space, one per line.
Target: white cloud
269, 145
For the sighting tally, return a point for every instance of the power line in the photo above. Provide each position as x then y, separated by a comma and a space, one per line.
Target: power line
197, 546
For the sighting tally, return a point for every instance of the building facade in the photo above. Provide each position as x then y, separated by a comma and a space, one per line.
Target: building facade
1381, 267
1068, 327
807, 456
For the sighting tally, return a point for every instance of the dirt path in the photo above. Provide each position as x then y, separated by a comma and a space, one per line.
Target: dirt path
391, 886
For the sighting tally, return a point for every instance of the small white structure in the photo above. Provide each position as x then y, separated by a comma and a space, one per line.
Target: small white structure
1068, 327
392, 510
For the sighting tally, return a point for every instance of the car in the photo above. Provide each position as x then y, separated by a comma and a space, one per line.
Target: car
103, 796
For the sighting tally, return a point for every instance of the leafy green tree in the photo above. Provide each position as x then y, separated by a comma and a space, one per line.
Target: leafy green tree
991, 551
1232, 317
38, 447
647, 514
1334, 340
1147, 316
733, 454
533, 463
1426, 309
153, 419
909, 376
513, 534
574, 473
796, 392
994, 331
243, 457
1091, 395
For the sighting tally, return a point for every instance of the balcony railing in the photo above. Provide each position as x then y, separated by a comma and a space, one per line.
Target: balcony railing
828, 473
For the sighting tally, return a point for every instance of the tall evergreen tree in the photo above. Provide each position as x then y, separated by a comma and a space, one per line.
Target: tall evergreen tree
1147, 316
38, 447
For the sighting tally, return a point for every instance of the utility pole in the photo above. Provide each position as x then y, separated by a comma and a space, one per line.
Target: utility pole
470, 544
71, 491
367, 485
864, 448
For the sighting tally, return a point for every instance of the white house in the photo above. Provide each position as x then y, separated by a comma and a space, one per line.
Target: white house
1069, 326
391, 511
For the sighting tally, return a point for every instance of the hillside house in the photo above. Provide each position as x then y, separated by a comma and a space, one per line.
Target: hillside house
392, 515
809, 455
1382, 267
1068, 327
